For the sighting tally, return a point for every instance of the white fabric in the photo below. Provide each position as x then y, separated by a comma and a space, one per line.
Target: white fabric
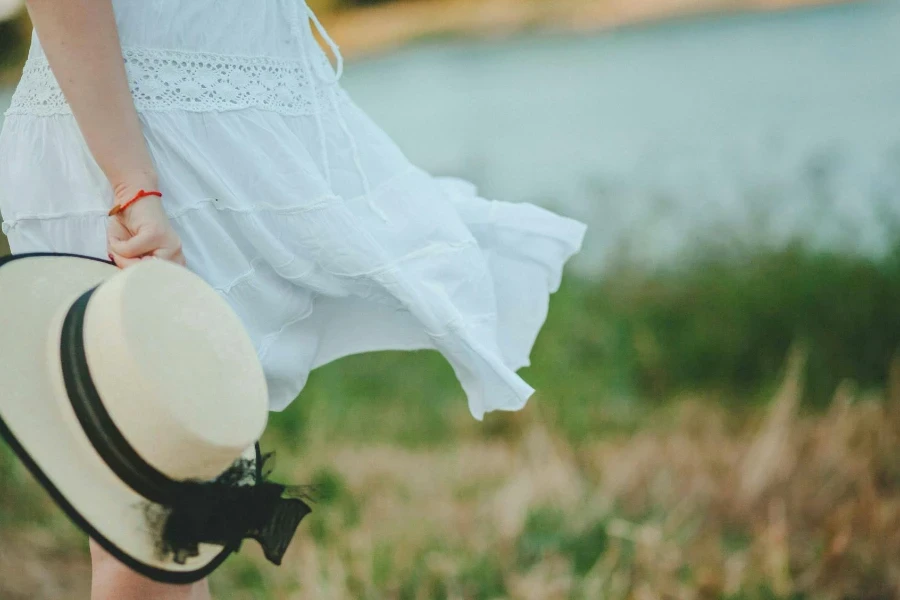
181, 80
291, 202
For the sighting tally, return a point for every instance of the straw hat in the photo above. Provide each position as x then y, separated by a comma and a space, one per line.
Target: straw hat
135, 397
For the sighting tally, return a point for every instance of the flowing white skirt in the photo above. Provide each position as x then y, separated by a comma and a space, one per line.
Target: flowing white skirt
316, 268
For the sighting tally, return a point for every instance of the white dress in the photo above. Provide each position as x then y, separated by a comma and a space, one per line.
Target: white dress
291, 202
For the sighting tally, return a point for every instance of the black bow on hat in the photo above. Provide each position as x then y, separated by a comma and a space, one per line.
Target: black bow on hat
240, 504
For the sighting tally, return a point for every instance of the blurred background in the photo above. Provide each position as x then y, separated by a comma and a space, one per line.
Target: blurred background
718, 413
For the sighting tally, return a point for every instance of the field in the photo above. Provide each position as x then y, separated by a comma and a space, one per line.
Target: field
726, 429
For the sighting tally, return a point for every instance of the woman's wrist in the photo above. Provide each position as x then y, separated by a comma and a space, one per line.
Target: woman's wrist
128, 186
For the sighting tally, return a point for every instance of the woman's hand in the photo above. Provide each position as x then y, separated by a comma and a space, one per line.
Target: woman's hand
142, 231
81, 42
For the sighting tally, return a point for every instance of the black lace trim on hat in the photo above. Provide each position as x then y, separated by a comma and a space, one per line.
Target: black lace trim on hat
227, 511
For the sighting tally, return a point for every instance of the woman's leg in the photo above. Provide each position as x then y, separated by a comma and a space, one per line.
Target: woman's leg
114, 581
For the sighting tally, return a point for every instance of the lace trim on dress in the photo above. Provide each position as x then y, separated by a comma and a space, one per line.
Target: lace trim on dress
165, 80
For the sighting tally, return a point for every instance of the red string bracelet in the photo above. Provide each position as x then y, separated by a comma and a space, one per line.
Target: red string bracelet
141, 194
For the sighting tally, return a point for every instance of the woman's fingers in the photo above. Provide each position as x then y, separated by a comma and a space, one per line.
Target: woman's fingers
143, 231
127, 251
122, 262
173, 254
115, 231
145, 241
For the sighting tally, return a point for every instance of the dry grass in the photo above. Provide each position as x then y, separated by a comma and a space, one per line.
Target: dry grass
698, 504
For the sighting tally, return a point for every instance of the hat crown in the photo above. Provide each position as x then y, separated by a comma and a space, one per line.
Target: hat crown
175, 370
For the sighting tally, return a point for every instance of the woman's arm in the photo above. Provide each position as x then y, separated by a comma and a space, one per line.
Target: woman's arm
81, 42
82, 46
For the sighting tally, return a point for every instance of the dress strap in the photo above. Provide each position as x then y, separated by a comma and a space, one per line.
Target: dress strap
335, 49
297, 30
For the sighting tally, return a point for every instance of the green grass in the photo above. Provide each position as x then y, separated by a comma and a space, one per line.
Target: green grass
622, 475
613, 349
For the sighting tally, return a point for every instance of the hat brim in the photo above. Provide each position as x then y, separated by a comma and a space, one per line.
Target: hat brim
37, 420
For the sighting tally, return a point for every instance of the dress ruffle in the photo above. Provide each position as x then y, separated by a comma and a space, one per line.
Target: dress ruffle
316, 268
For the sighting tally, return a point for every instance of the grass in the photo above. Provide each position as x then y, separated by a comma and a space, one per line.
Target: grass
695, 505
725, 429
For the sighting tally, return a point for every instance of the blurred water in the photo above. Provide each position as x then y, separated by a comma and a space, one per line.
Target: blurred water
761, 126
765, 126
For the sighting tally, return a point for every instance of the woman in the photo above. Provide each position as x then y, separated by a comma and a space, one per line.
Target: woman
275, 188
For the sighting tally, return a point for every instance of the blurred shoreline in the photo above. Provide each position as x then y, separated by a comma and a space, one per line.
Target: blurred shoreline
375, 29
368, 30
